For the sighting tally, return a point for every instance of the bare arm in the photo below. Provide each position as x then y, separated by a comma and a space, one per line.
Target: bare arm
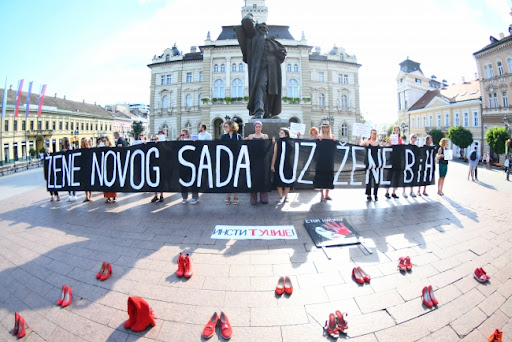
274, 157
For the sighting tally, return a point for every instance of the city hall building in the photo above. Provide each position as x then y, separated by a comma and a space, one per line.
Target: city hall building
210, 83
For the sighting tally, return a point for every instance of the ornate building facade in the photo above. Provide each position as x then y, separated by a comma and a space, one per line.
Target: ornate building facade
210, 83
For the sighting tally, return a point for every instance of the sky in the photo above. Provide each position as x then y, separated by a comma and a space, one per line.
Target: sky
98, 50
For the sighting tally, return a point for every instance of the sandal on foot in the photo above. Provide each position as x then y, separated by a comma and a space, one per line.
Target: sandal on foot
228, 201
235, 201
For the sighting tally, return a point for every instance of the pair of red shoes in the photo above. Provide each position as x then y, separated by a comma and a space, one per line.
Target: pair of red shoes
65, 296
284, 284
140, 314
19, 325
427, 295
480, 275
225, 327
360, 276
404, 263
337, 324
184, 266
105, 271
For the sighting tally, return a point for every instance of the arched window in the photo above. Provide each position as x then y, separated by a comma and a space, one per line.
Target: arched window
237, 88
215, 68
199, 99
167, 58
321, 100
344, 101
500, 68
489, 72
233, 67
344, 130
165, 101
293, 88
509, 62
240, 67
296, 68
222, 68
289, 68
218, 89
188, 100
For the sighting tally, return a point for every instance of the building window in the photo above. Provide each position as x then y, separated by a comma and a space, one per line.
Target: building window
15, 128
340, 78
215, 68
446, 119
509, 62
218, 89
412, 123
163, 80
167, 58
233, 67
39, 125
417, 80
500, 68
293, 88
189, 77
165, 101
60, 125
47, 124
438, 120
289, 68
295, 68
54, 125
345, 79
424, 121
67, 125
475, 119
240, 67
344, 130
24, 125
222, 68
430, 123
457, 120
199, 99
418, 122
320, 76
321, 100
188, 100
169, 79
495, 99
489, 72
82, 126
505, 99
344, 101
237, 88
490, 100
200, 76
6, 126
466, 119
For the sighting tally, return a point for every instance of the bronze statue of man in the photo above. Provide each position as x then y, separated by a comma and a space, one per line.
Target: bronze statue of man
263, 56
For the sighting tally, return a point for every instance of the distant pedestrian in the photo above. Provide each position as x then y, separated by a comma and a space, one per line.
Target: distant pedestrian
156, 139
394, 174
284, 133
54, 194
84, 143
428, 142
120, 141
473, 161
313, 132
443, 166
231, 129
413, 140
325, 134
371, 141
66, 147
185, 136
110, 196
507, 167
258, 135
203, 133
488, 160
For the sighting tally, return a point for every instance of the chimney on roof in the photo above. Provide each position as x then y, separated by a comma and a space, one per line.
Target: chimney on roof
64, 97
476, 76
502, 35
55, 95
193, 49
463, 79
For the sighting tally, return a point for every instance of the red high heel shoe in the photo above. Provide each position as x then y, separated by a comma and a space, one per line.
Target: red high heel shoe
365, 275
341, 322
425, 295
407, 263
188, 267
357, 275
67, 297
332, 327
102, 269
288, 287
209, 328
61, 299
485, 273
19, 328
16, 323
106, 273
401, 264
431, 292
280, 286
181, 266
225, 327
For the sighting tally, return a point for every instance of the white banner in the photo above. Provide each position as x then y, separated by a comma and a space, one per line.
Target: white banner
254, 232
361, 130
297, 128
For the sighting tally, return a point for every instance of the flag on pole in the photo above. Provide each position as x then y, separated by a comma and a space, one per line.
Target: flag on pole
41, 99
18, 97
4, 101
28, 99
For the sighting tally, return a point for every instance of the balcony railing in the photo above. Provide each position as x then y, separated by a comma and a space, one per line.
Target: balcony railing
34, 132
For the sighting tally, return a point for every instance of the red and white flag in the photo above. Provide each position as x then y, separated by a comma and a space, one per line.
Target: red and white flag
41, 99
18, 98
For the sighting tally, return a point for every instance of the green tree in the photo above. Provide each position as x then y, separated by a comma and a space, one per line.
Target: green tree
460, 136
436, 135
137, 129
495, 138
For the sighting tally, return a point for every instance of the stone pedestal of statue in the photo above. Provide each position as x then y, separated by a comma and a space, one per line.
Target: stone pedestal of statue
271, 127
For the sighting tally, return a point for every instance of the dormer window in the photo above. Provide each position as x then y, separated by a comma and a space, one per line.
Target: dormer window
254, 6
167, 58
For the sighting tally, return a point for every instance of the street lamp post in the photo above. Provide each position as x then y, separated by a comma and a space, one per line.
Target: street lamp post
74, 136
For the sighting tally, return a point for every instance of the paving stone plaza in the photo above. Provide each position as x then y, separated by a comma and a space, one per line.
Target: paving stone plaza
47, 244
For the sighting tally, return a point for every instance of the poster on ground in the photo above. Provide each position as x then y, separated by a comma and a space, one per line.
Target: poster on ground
224, 232
331, 232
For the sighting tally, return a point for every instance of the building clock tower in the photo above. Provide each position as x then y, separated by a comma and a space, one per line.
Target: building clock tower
257, 8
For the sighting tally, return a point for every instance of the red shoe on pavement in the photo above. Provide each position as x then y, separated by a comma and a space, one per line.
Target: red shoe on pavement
62, 295
331, 327
341, 322
21, 327
288, 287
280, 286
407, 263
181, 266
365, 275
401, 264
102, 269
106, 273
431, 291
225, 327
209, 328
479, 275
67, 297
188, 267
425, 296
357, 275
